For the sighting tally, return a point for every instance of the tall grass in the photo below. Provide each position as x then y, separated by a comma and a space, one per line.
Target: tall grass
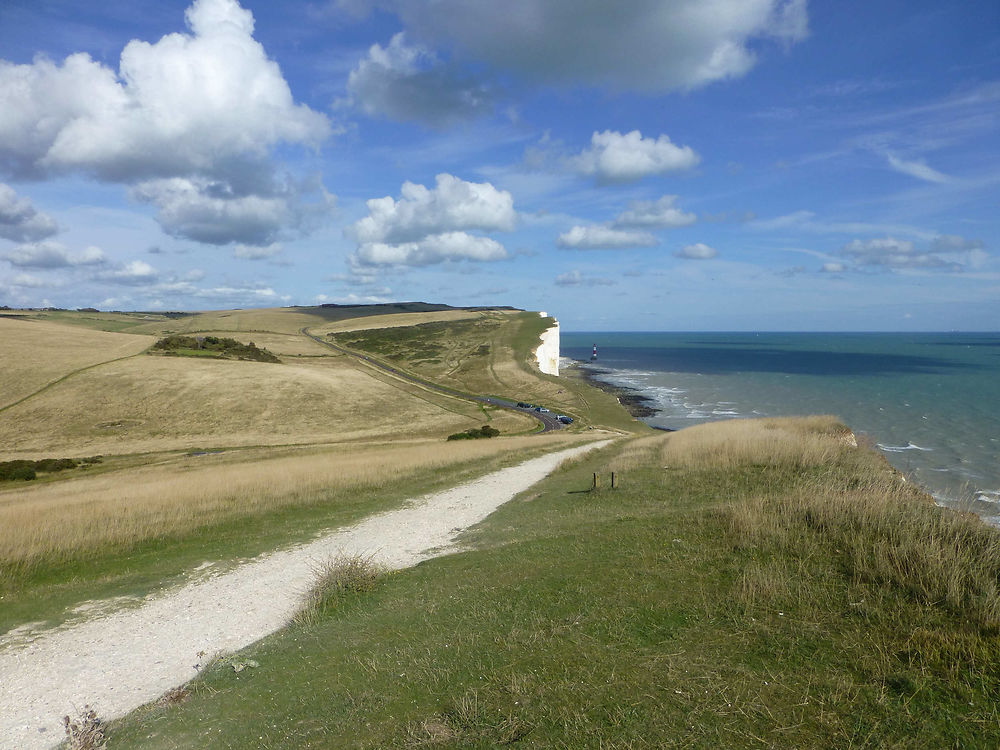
793, 442
884, 532
74, 518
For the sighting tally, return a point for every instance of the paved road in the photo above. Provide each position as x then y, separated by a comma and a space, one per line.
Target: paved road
548, 420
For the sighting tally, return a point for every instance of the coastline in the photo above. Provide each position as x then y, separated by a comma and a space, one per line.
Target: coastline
634, 401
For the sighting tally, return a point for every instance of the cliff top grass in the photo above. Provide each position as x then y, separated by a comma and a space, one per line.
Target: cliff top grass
748, 584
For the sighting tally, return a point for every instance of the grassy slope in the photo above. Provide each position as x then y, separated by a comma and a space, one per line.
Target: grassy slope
732, 602
36, 353
490, 354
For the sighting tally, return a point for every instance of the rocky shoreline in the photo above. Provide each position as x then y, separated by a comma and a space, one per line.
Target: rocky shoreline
635, 402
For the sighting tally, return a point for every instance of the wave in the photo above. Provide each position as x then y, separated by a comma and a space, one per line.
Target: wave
989, 496
901, 448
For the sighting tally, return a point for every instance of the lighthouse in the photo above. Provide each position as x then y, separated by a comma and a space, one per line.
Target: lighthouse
594, 355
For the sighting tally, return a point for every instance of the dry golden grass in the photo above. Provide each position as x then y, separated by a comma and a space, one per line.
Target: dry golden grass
162, 403
36, 353
789, 441
273, 320
93, 513
395, 320
289, 344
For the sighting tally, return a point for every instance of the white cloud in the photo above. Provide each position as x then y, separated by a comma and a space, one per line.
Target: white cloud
20, 221
49, 254
354, 299
257, 252
190, 121
28, 281
918, 169
697, 251
892, 253
428, 226
91, 256
600, 237
453, 204
245, 294
435, 248
185, 104
575, 278
613, 157
641, 45
660, 214
211, 212
833, 268
133, 273
407, 82
949, 243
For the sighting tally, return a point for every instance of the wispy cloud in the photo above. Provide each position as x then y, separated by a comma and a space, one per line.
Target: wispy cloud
917, 168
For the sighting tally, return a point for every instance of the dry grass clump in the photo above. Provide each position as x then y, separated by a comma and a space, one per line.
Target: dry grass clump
884, 531
335, 580
795, 442
86, 732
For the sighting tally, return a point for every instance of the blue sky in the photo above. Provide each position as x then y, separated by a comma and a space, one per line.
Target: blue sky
643, 165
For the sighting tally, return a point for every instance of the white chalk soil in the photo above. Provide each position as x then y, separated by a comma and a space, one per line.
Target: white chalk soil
117, 661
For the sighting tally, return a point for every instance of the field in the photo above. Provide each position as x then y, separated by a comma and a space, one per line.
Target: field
38, 353
805, 598
197, 451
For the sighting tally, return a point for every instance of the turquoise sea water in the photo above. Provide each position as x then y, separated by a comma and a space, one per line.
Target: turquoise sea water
930, 401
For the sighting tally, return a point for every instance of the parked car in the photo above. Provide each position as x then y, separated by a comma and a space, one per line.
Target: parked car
564, 419
542, 409
523, 405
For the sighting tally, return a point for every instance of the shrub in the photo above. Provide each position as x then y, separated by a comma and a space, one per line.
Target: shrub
21, 471
55, 464
475, 433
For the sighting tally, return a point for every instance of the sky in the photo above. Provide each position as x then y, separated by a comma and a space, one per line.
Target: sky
639, 165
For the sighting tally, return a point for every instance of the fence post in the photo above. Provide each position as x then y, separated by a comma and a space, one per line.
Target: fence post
614, 481
597, 481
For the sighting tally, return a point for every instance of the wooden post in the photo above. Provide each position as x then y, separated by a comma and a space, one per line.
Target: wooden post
597, 481
614, 481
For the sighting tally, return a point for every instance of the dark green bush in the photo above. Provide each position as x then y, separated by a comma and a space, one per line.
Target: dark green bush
225, 348
55, 464
476, 433
14, 470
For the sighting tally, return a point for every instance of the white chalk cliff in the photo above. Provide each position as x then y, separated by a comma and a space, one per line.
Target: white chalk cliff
547, 352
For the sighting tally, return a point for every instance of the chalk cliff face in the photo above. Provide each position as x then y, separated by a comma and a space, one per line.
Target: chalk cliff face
547, 352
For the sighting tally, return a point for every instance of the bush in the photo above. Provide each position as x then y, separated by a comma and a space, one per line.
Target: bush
12, 473
26, 469
55, 464
225, 348
476, 433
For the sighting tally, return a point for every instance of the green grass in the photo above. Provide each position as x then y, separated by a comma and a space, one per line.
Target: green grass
655, 615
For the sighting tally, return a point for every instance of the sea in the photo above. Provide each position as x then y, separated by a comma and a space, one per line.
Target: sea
929, 401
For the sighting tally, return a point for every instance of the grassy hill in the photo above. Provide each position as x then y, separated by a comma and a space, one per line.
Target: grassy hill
196, 451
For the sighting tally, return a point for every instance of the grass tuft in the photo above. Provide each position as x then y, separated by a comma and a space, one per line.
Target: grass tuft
336, 581
86, 732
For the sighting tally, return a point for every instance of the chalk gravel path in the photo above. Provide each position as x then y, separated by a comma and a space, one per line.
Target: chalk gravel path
123, 660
